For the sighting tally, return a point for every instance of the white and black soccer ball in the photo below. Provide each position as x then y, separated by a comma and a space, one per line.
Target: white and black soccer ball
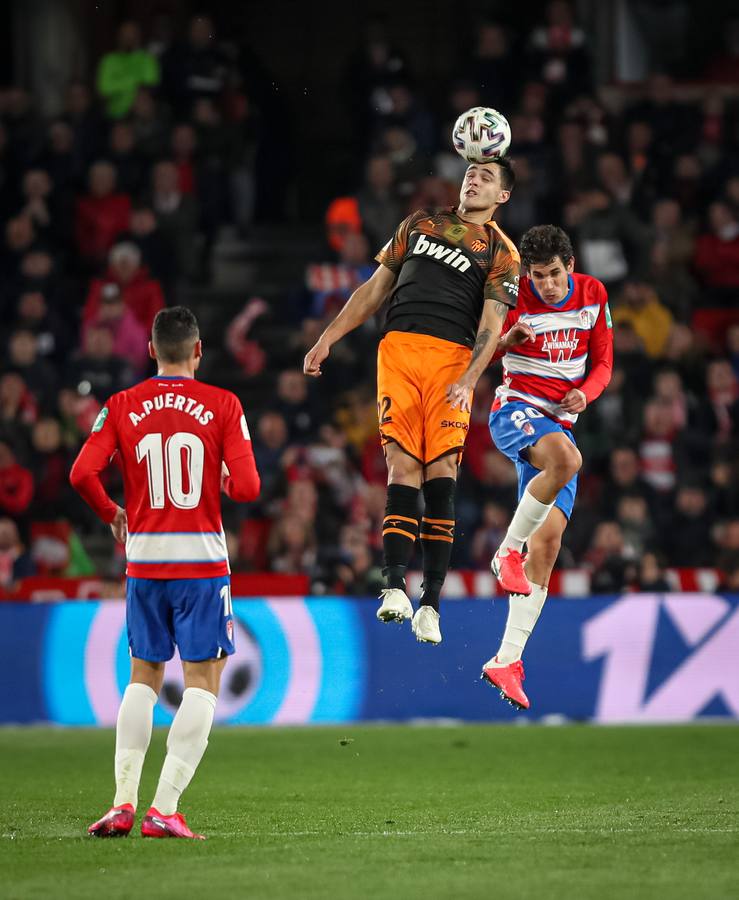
481, 134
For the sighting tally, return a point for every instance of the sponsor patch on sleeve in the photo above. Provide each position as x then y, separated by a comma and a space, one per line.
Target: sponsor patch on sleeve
97, 425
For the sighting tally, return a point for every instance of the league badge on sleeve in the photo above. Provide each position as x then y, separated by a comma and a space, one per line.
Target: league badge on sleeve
97, 425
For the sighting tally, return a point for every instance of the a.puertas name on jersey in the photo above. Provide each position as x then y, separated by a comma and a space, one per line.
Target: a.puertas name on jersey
177, 402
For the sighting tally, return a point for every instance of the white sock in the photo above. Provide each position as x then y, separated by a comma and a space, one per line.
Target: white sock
529, 515
186, 743
523, 613
132, 736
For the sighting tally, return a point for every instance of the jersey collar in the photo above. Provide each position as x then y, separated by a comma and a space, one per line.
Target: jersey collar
561, 303
171, 378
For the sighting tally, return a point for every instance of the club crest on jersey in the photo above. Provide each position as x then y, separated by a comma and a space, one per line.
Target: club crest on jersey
477, 246
560, 344
587, 319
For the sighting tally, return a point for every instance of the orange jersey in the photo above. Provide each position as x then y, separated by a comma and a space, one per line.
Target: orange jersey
446, 268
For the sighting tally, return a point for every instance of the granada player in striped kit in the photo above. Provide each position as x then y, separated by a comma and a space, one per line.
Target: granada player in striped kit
557, 350
179, 443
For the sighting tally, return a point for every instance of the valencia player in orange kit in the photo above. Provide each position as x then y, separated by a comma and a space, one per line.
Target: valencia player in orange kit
449, 277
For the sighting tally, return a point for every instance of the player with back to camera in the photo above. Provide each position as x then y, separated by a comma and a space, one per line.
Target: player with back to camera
557, 358
179, 443
451, 276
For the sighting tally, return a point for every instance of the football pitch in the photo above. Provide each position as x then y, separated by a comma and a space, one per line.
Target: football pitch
398, 812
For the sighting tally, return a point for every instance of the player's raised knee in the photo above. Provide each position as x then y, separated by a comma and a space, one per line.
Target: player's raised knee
565, 462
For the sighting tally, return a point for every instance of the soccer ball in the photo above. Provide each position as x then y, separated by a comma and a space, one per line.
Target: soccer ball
481, 134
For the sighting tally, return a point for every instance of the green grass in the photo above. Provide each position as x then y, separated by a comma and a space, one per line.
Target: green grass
464, 812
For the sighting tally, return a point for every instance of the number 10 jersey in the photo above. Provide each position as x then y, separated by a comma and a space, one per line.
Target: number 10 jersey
169, 436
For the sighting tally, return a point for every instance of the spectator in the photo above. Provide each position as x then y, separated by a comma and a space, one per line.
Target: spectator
81, 114
657, 451
126, 277
637, 528
20, 239
18, 406
156, 251
652, 576
97, 370
53, 497
130, 337
688, 541
332, 285
378, 206
53, 338
16, 484
15, 560
196, 68
292, 546
624, 480
610, 562
672, 282
150, 122
122, 71
488, 536
270, 444
557, 51
294, 404
717, 255
360, 576
23, 358
640, 306
102, 214
125, 157
177, 215
493, 65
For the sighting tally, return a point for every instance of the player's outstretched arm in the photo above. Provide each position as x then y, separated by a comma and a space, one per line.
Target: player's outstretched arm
494, 314
362, 304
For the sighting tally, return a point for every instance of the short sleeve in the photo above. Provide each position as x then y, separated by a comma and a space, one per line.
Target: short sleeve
392, 254
503, 275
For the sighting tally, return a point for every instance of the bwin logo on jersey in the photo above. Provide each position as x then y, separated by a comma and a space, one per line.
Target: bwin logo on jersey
452, 258
560, 344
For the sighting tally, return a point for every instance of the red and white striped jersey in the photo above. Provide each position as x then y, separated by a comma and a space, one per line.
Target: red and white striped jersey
573, 348
170, 434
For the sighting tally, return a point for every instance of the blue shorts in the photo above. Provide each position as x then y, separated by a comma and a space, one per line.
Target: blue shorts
517, 426
194, 613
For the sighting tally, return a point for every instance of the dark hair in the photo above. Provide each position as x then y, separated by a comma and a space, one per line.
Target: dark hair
174, 334
507, 172
542, 243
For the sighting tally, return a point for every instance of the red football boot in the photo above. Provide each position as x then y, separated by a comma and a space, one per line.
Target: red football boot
509, 571
508, 681
117, 822
155, 825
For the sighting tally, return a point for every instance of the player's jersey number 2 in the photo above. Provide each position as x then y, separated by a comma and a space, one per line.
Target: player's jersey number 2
174, 466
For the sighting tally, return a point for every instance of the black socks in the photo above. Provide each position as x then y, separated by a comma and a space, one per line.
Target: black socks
437, 537
399, 532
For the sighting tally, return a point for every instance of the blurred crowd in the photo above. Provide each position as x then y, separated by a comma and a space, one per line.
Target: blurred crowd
111, 206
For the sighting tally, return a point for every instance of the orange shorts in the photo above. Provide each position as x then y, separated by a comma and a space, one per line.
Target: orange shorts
413, 374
